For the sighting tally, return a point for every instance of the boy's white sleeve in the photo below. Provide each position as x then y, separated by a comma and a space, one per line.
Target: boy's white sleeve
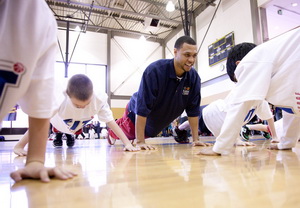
105, 114
237, 115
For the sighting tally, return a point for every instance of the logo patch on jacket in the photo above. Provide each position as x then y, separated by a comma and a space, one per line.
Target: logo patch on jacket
186, 91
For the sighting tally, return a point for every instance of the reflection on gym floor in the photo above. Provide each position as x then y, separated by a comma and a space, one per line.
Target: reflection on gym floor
171, 176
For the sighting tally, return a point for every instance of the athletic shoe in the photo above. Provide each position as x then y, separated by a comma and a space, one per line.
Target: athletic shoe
51, 137
57, 141
70, 140
266, 135
245, 132
182, 136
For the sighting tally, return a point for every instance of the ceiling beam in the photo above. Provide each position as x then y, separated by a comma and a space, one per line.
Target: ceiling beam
84, 6
62, 25
164, 5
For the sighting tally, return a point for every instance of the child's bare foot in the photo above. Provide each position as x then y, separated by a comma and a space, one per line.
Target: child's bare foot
20, 151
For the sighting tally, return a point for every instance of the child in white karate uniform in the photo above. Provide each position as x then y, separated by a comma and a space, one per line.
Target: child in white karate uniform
269, 72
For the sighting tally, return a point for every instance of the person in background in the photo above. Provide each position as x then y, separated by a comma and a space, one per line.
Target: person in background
104, 133
97, 129
79, 132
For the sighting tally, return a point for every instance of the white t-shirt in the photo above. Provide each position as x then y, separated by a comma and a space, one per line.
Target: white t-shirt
269, 72
28, 45
214, 115
70, 119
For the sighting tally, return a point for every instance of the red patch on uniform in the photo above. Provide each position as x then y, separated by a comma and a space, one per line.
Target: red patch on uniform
18, 68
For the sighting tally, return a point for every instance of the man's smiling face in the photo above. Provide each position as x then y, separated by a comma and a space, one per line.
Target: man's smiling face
185, 58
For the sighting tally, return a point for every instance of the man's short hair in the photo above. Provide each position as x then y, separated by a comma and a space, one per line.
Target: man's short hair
80, 87
184, 39
237, 53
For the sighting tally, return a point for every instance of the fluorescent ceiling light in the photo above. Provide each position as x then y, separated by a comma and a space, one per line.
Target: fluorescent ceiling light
142, 38
77, 28
170, 6
294, 4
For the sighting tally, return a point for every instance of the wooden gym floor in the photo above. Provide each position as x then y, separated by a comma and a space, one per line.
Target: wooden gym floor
171, 176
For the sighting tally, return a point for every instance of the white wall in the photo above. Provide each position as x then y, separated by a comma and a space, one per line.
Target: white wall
129, 59
91, 47
232, 15
118, 103
170, 45
278, 24
21, 121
